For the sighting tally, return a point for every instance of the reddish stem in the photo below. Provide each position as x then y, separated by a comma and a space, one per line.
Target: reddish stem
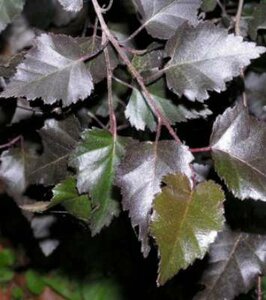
198, 150
12, 142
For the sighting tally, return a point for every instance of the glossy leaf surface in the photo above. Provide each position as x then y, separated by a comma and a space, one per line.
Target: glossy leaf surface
185, 222
195, 69
238, 149
140, 175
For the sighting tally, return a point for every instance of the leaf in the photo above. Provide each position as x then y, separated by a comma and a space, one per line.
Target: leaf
255, 85
66, 194
21, 167
139, 177
162, 18
185, 222
96, 158
194, 69
236, 260
96, 65
59, 139
140, 115
208, 5
258, 20
238, 148
9, 10
53, 70
72, 5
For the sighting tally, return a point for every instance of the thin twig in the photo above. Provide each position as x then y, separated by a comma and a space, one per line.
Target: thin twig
134, 51
96, 119
198, 150
259, 289
11, 143
108, 7
136, 32
238, 32
113, 123
123, 82
150, 101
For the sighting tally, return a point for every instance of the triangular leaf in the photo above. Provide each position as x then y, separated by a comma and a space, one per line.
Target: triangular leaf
140, 115
9, 9
235, 134
53, 70
185, 222
72, 5
140, 175
194, 68
95, 159
236, 260
162, 17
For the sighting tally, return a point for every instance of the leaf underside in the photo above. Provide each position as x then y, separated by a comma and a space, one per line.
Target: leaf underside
9, 10
72, 5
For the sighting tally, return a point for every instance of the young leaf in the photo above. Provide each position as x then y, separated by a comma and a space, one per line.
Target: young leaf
185, 222
208, 5
9, 9
95, 159
255, 85
140, 115
236, 260
53, 71
194, 68
161, 18
66, 194
238, 148
140, 175
72, 5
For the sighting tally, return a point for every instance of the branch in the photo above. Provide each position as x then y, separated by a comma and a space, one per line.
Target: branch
198, 150
11, 143
113, 123
237, 32
150, 101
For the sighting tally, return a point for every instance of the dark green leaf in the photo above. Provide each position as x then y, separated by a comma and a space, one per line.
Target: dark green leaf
185, 222
6, 275
236, 260
162, 18
96, 159
140, 175
34, 282
258, 20
9, 9
53, 70
238, 149
194, 68
7, 258
208, 5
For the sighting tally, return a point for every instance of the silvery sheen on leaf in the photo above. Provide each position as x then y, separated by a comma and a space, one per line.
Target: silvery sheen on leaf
185, 221
71, 5
139, 177
204, 58
52, 70
236, 259
238, 148
162, 18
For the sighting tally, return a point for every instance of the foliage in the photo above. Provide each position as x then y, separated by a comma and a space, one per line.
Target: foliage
95, 119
